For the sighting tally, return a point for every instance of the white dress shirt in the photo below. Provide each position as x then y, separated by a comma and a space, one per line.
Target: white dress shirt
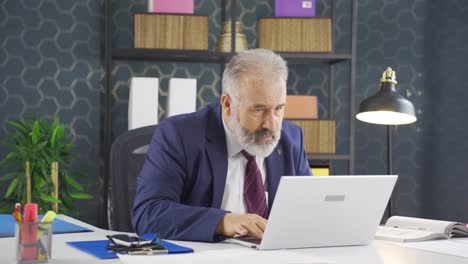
233, 197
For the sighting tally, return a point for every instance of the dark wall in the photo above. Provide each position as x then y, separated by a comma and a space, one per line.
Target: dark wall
425, 42
445, 171
392, 34
51, 64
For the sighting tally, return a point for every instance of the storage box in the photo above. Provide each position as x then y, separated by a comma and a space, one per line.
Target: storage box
319, 135
301, 107
295, 8
295, 34
171, 31
171, 6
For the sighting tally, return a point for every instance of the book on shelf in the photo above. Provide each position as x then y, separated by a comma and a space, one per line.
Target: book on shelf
319, 135
412, 229
170, 31
295, 34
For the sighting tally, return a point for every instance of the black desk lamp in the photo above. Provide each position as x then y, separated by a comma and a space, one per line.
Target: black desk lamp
387, 107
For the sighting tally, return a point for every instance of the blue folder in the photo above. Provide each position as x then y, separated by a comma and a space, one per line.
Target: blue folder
7, 226
98, 248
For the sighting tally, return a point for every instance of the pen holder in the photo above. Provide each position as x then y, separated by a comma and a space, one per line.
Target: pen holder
33, 242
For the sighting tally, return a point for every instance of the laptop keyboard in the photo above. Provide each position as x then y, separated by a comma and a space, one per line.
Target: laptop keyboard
250, 239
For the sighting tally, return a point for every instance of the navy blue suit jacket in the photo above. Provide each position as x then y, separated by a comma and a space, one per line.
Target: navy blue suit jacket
181, 185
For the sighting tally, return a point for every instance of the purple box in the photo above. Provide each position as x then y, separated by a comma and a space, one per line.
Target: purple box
295, 8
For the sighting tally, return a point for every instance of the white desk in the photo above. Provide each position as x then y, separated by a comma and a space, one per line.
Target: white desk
377, 252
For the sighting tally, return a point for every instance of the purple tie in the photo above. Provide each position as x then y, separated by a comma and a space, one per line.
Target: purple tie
254, 194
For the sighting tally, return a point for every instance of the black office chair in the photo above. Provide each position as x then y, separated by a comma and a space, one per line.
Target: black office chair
126, 160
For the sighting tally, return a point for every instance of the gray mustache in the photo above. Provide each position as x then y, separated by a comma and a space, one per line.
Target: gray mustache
264, 133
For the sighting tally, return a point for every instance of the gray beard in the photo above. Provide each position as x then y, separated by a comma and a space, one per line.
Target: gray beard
247, 140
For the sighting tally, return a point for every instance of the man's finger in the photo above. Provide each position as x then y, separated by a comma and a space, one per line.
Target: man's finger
253, 229
240, 230
262, 224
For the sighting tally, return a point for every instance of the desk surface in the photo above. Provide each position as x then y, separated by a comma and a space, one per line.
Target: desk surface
377, 252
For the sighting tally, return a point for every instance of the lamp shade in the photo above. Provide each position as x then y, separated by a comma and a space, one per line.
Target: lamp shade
387, 106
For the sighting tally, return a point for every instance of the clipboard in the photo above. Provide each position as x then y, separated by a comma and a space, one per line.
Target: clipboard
97, 248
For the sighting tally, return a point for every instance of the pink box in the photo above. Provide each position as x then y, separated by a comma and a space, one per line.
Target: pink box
171, 6
295, 8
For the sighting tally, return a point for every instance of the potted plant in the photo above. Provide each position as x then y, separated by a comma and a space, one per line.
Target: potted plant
40, 152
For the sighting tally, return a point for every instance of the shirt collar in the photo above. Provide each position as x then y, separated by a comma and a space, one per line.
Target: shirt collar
233, 146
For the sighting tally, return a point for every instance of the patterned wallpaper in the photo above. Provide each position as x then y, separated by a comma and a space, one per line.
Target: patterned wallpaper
444, 176
50, 64
391, 33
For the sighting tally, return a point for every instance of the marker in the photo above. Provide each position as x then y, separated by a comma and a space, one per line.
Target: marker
30, 232
46, 222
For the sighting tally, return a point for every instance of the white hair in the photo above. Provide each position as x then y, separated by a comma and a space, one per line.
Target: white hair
255, 63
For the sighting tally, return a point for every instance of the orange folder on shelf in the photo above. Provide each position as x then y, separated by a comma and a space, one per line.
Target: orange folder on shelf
301, 107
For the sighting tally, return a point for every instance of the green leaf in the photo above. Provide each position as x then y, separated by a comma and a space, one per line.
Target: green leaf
11, 188
38, 182
80, 195
35, 133
73, 183
53, 139
60, 132
68, 203
20, 126
40, 146
10, 176
49, 198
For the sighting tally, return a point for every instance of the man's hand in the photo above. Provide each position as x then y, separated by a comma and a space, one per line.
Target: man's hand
241, 224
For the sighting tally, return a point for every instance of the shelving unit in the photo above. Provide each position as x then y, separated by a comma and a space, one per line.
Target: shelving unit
112, 55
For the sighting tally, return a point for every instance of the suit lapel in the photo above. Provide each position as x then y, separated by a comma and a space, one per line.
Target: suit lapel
275, 169
217, 154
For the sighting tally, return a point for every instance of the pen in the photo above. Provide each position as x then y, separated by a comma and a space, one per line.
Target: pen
17, 213
18, 207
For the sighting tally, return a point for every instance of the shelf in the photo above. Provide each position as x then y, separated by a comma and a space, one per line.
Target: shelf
308, 57
322, 156
170, 55
218, 57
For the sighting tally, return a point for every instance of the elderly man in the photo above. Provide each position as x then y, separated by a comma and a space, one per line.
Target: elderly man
214, 173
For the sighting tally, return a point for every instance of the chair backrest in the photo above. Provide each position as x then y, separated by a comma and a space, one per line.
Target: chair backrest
126, 160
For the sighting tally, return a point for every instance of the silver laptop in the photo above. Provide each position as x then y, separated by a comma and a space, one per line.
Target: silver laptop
324, 211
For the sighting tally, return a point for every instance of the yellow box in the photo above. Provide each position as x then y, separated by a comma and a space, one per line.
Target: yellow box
295, 34
170, 31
